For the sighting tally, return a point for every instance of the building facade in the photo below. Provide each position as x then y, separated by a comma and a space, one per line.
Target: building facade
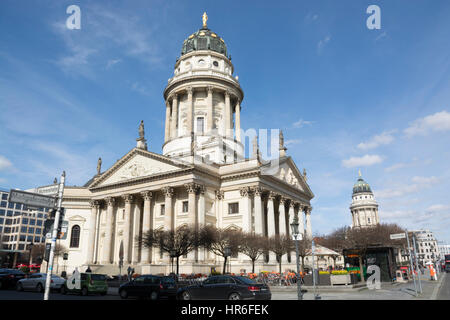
364, 208
20, 226
202, 178
426, 246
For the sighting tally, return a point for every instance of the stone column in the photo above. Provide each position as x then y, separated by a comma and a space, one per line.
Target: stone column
106, 252
308, 223
168, 214
92, 231
147, 224
97, 235
209, 103
259, 215
201, 217
227, 114
282, 217
238, 121
246, 210
136, 233
167, 127
128, 198
174, 115
190, 111
271, 215
301, 224
291, 214
191, 189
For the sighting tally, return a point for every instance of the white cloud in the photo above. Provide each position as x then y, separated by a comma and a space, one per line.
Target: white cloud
292, 142
112, 62
378, 140
301, 123
395, 167
418, 184
438, 122
438, 208
4, 163
364, 161
322, 43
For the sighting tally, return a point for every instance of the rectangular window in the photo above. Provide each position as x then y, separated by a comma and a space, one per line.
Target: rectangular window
23, 229
163, 209
200, 125
32, 222
4, 196
3, 204
38, 231
18, 206
8, 221
9, 213
11, 205
21, 246
30, 239
2, 212
37, 239
185, 206
24, 220
7, 229
39, 222
1, 229
233, 208
2, 220
22, 238
30, 230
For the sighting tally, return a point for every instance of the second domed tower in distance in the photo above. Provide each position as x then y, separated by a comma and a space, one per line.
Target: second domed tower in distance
203, 101
364, 208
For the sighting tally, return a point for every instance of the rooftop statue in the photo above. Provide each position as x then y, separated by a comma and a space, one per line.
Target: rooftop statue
204, 18
141, 130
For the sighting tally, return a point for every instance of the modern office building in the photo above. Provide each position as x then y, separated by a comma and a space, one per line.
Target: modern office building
426, 246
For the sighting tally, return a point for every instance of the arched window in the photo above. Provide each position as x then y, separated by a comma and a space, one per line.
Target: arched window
75, 237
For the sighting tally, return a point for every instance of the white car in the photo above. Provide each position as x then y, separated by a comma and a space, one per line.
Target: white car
36, 282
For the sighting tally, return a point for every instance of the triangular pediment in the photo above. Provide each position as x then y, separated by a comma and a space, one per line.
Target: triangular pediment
288, 173
137, 164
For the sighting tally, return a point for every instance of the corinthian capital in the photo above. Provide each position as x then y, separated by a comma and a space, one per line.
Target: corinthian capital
245, 191
190, 90
191, 187
128, 198
168, 191
272, 195
219, 194
110, 201
147, 195
257, 190
94, 203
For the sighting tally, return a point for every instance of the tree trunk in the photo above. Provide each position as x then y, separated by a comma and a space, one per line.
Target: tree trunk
361, 268
302, 264
224, 265
253, 265
178, 265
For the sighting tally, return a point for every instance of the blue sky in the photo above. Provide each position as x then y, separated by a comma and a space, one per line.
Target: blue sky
347, 97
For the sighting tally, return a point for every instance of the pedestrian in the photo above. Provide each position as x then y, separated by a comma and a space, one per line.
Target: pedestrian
88, 270
129, 272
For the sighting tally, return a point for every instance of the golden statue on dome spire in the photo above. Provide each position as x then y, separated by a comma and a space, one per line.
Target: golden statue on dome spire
359, 173
204, 18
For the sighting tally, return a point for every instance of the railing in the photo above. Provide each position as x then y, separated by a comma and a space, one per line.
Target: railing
206, 72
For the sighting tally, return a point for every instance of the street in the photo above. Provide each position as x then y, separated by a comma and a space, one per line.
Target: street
431, 290
444, 291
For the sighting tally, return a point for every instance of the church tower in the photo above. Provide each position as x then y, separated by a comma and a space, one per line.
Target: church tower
203, 102
364, 208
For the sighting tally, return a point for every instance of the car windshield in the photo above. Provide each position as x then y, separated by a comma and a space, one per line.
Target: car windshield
246, 280
98, 277
169, 280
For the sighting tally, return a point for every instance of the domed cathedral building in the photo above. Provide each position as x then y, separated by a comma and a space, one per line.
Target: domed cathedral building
201, 178
364, 208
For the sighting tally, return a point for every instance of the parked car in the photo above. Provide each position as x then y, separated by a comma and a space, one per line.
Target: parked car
36, 282
447, 267
9, 278
226, 288
149, 286
89, 283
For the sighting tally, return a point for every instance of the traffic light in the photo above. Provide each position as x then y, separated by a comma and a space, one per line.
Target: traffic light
48, 246
48, 224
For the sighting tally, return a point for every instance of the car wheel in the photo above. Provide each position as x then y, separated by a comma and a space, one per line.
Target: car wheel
123, 294
84, 291
186, 296
154, 295
63, 290
19, 286
39, 288
234, 296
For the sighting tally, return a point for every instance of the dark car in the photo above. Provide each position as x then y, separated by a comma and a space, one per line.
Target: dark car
149, 286
226, 288
9, 278
447, 267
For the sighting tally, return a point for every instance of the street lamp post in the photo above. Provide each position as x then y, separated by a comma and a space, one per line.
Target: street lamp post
295, 233
30, 260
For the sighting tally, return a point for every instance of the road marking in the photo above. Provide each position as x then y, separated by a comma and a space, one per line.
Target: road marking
438, 286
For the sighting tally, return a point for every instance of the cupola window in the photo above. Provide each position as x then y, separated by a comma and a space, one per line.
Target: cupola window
200, 125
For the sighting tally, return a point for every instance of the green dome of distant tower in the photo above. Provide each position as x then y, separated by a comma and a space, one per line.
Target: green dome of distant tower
361, 186
204, 39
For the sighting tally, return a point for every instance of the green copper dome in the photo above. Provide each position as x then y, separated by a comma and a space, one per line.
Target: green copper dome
204, 39
361, 186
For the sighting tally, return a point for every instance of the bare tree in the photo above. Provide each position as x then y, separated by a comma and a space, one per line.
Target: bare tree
253, 246
219, 241
176, 243
304, 249
37, 251
59, 251
361, 239
280, 245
